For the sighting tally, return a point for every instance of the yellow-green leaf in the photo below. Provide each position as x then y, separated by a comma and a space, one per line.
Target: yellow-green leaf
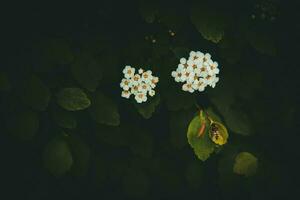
203, 145
245, 164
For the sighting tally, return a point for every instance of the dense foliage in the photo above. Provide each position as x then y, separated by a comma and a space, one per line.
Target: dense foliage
67, 131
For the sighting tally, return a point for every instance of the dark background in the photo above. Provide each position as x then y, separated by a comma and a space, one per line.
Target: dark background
141, 158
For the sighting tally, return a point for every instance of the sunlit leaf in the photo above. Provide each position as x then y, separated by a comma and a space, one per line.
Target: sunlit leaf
87, 71
245, 164
148, 108
209, 21
73, 99
104, 110
57, 157
202, 145
35, 94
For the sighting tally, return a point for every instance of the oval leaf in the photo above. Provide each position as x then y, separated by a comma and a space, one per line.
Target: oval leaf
203, 146
35, 93
73, 99
104, 110
57, 157
245, 164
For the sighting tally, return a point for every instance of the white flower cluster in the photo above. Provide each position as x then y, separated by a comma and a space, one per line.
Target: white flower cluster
139, 84
197, 72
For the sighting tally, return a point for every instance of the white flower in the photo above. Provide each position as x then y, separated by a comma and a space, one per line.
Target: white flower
192, 53
128, 71
151, 93
140, 84
197, 72
154, 81
214, 82
140, 97
136, 79
199, 85
147, 76
177, 75
125, 84
213, 68
143, 88
126, 94
188, 87
141, 71
182, 61
207, 56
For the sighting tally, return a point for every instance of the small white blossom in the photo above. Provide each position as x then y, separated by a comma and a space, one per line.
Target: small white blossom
140, 85
126, 94
197, 72
128, 71
141, 71
151, 93
140, 97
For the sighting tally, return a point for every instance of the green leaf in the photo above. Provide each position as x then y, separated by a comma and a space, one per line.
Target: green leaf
177, 100
24, 125
87, 71
5, 84
73, 99
57, 157
64, 118
180, 52
194, 174
104, 110
112, 135
81, 155
35, 94
262, 41
54, 52
148, 108
245, 164
179, 122
141, 143
135, 183
209, 21
203, 146
224, 99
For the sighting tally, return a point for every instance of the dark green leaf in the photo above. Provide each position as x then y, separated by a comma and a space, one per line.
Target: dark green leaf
73, 99
87, 71
57, 157
35, 93
24, 125
64, 118
81, 155
209, 21
104, 110
5, 84
148, 108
